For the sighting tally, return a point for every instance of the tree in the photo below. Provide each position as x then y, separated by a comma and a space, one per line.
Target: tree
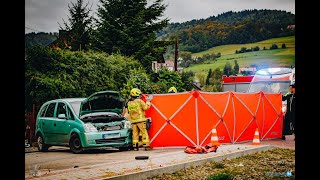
80, 25
256, 48
236, 67
166, 79
283, 46
130, 27
186, 59
216, 78
201, 78
227, 70
208, 77
243, 50
274, 46
138, 78
51, 74
187, 79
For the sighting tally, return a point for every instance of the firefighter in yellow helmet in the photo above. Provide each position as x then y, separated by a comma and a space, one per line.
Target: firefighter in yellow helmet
172, 90
135, 112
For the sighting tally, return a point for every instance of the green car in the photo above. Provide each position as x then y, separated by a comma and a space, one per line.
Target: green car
84, 123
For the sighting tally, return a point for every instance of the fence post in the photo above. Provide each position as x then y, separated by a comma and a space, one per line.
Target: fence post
32, 125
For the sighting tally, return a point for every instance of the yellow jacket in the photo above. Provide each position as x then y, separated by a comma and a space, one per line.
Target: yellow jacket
135, 112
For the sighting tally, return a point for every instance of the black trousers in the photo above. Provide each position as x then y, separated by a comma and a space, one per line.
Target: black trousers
288, 124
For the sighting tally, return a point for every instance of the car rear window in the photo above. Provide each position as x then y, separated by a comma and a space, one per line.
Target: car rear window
43, 111
50, 110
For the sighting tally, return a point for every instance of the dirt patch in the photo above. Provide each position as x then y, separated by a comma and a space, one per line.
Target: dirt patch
278, 163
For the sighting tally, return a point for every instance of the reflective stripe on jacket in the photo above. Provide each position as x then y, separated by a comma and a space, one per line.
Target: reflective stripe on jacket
136, 110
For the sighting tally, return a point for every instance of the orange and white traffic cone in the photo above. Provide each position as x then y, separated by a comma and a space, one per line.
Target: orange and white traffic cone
256, 139
214, 138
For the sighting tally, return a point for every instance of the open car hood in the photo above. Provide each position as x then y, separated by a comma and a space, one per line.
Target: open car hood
103, 101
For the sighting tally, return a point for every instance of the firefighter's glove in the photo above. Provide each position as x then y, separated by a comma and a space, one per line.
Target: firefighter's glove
148, 103
149, 98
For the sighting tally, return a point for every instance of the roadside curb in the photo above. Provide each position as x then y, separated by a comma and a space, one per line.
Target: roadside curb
173, 168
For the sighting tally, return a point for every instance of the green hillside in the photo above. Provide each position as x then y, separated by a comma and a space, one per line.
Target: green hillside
240, 27
270, 58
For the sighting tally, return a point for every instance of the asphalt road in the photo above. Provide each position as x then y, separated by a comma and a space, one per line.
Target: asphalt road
60, 158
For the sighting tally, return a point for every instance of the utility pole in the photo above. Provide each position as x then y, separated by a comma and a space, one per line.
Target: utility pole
176, 55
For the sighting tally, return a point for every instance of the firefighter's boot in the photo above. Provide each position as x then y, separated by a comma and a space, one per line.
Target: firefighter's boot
148, 148
136, 147
140, 144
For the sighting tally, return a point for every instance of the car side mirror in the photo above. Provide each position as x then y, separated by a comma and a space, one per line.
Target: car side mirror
62, 116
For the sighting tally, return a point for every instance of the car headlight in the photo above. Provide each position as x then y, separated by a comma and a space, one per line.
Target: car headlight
90, 128
127, 125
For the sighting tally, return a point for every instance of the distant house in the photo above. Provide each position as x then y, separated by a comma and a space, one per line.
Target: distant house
62, 41
291, 27
168, 63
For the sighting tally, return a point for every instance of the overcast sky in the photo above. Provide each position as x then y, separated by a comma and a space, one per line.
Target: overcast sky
44, 15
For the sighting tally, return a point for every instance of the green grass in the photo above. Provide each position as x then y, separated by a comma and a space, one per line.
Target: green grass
270, 58
231, 48
271, 164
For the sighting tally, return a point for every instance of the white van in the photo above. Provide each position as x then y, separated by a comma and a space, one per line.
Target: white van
273, 80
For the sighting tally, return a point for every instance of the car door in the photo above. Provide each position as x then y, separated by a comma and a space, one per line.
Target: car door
65, 122
47, 123
62, 124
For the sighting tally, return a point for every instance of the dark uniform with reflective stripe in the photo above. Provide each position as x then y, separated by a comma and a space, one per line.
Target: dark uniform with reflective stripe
290, 114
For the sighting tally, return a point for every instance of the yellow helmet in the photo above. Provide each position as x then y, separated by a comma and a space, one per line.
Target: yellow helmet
135, 92
172, 90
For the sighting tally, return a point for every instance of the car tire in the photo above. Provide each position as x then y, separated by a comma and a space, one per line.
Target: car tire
75, 144
123, 148
141, 157
41, 144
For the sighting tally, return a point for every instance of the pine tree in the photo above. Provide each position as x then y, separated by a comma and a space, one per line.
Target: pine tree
236, 67
79, 26
130, 27
208, 77
227, 70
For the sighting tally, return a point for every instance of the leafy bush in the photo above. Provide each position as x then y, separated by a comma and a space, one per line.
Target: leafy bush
138, 78
283, 46
51, 74
274, 46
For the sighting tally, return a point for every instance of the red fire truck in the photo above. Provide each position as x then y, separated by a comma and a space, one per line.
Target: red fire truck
273, 80
236, 83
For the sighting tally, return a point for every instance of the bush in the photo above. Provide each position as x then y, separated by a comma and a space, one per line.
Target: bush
220, 176
256, 48
283, 46
52, 74
274, 46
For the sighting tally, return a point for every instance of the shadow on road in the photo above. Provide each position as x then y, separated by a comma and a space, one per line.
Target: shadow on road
87, 151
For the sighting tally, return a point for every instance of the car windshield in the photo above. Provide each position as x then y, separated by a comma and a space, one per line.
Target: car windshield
269, 86
76, 107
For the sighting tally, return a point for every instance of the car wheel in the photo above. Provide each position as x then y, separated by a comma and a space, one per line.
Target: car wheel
75, 144
41, 144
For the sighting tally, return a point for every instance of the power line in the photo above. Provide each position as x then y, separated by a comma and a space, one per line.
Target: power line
32, 29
